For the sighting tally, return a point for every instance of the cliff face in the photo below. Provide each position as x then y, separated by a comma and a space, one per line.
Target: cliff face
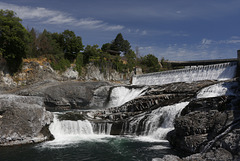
35, 71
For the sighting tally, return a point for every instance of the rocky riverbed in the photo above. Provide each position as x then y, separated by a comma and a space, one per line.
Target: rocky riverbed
207, 128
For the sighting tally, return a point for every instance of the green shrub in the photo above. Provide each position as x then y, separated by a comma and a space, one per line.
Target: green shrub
79, 63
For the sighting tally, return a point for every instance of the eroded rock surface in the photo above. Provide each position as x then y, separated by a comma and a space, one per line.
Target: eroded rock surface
210, 126
23, 120
68, 95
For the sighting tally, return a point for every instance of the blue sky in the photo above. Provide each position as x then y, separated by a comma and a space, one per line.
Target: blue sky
173, 29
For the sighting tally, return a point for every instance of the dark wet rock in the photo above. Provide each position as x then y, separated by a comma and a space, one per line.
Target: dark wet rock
154, 97
232, 142
180, 88
214, 155
205, 104
73, 116
23, 120
168, 158
219, 154
144, 103
210, 126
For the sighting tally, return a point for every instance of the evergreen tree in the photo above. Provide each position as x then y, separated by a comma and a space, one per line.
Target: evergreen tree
119, 44
106, 47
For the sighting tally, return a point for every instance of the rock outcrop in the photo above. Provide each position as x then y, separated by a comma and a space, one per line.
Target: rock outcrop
40, 70
209, 127
23, 120
155, 97
68, 95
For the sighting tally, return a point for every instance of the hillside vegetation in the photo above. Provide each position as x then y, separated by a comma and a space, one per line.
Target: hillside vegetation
63, 49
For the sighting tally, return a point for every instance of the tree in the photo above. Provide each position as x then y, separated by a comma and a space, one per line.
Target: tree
106, 47
150, 63
91, 53
72, 45
131, 59
13, 39
165, 64
119, 44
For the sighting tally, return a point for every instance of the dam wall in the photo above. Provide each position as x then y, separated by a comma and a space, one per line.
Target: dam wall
221, 71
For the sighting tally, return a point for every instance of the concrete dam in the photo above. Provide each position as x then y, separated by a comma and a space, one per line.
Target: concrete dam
222, 71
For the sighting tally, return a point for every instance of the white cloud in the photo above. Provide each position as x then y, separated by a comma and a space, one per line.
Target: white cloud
206, 41
229, 42
59, 19
53, 17
233, 40
183, 52
115, 27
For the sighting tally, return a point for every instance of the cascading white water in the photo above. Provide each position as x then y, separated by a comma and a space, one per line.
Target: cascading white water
155, 124
121, 95
103, 128
222, 71
68, 131
219, 89
67, 128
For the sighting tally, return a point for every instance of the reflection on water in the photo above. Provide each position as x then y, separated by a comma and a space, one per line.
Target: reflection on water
100, 148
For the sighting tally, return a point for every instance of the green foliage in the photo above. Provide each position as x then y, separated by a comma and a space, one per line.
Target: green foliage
47, 45
59, 63
118, 65
165, 65
119, 44
13, 39
72, 45
106, 47
32, 46
131, 59
149, 63
91, 54
63, 48
79, 63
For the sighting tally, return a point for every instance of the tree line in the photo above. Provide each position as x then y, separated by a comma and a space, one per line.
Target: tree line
63, 49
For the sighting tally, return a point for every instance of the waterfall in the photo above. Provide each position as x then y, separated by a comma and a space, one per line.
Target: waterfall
220, 89
121, 95
67, 129
155, 124
222, 71
103, 128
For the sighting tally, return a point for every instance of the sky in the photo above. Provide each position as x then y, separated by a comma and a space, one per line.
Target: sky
177, 30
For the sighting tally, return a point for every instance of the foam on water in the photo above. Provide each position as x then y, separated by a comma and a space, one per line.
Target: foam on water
67, 132
121, 95
220, 89
155, 125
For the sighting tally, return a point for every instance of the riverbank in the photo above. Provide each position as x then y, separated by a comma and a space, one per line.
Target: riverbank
198, 118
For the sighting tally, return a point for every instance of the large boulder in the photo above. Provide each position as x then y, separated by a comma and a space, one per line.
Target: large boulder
207, 124
69, 95
23, 120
